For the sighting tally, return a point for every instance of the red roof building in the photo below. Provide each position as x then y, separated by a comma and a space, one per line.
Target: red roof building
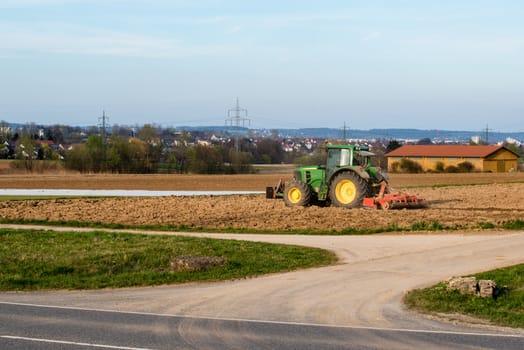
432, 157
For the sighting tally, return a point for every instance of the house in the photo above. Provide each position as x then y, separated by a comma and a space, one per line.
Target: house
484, 158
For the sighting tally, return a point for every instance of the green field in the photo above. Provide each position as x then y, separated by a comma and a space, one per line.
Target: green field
37, 259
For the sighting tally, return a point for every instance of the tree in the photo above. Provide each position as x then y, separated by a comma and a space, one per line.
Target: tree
392, 145
139, 156
118, 155
77, 159
240, 162
424, 141
269, 151
147, 133
514, 148
45, 152
5, 131
205, 160
25, 153
4, 151
55, 134
95, 149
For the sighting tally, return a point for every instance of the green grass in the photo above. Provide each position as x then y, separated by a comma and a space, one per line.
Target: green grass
38, 259
415, 227
506, 310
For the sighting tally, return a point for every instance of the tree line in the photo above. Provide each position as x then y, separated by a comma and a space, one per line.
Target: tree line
145, 152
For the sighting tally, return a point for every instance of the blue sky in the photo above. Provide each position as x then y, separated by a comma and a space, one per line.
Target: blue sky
449, 65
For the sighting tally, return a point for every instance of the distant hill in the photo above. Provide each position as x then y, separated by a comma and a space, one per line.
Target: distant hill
398, 134
330, 133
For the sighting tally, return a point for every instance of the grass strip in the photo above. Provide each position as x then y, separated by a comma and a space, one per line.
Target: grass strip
444, 185
506, 310
415, 227
41, 259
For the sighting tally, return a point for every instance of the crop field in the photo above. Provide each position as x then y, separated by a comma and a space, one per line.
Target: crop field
455, 201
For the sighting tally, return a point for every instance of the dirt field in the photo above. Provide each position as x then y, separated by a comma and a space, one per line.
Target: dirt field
495, 198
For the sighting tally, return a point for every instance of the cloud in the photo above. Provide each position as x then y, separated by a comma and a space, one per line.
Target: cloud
16, 40
26, 3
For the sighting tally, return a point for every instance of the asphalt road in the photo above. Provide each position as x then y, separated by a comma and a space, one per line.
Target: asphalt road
37, 327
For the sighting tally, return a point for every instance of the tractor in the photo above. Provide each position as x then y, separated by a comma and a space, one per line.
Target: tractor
347, 180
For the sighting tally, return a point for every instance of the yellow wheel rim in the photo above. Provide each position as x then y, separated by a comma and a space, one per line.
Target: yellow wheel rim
294, 195
346, 191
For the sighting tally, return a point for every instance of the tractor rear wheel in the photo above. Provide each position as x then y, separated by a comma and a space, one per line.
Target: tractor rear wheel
347, 190
297, 193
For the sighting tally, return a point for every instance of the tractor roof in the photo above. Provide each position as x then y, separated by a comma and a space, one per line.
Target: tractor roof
354, 147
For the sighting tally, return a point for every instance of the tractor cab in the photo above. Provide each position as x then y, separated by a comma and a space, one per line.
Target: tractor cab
348, 157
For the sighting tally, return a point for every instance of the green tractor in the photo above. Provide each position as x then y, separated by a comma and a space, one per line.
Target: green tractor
347, 180
344, 181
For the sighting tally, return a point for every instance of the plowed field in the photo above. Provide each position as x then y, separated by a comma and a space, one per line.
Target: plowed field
480, 198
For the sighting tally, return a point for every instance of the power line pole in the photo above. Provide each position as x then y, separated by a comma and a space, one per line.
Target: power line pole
103, 125
345, 132
240, 116
102, 122
487, 134
237, 116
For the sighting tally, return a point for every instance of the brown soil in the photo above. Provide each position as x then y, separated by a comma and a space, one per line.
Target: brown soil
496, 198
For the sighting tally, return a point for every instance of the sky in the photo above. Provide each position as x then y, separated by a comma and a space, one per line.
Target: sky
422, 64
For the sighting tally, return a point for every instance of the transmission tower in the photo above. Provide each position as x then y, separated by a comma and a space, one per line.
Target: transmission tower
487, 134
103, 125
345, 134
235, 117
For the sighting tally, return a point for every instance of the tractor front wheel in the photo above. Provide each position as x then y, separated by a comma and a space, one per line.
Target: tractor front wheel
347, 190
297, 193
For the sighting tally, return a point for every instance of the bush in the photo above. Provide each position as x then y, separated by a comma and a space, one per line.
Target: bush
407, 166
451, 169
465, 167
439, 167
394, 167
38, 166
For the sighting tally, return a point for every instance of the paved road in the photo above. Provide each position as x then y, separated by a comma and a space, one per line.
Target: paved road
364, 290
34, 327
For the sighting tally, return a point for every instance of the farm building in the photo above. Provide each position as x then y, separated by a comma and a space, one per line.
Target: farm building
483, 158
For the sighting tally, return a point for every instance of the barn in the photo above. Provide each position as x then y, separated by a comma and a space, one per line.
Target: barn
484, 158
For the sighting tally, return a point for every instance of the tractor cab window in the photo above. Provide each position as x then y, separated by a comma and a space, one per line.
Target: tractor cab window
338, 158
333, 158
360, 160
344, 157
363, 158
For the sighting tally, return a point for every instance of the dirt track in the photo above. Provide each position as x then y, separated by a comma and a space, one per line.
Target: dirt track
457, 206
